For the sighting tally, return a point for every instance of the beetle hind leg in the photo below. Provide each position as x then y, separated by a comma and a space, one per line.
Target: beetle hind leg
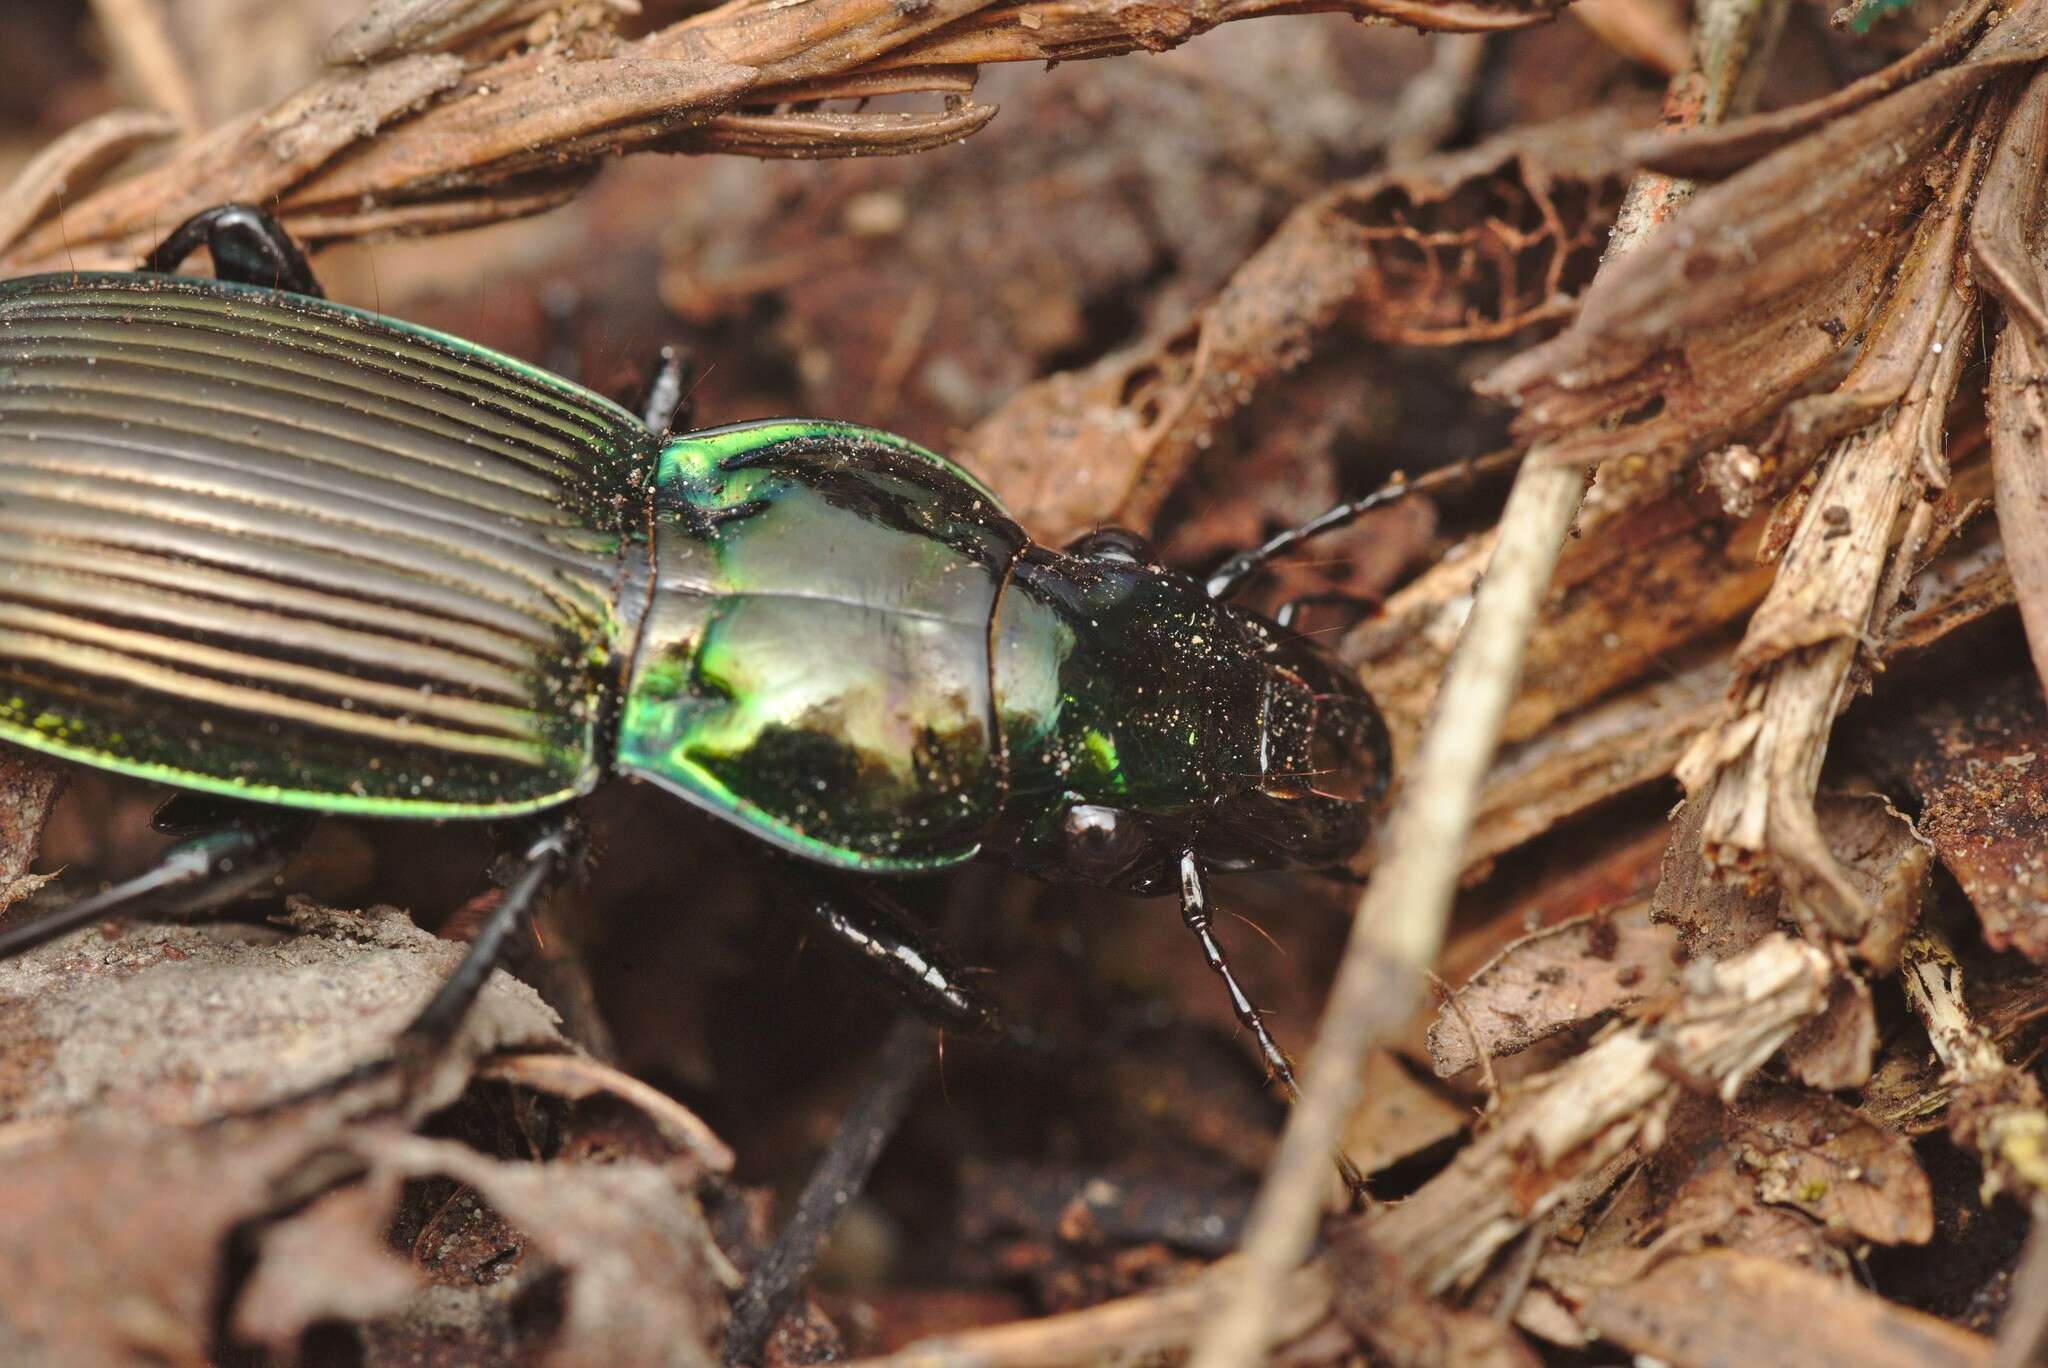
248, 245
204, 871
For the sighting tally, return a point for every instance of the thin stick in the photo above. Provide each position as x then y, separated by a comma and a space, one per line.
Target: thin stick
1400, 923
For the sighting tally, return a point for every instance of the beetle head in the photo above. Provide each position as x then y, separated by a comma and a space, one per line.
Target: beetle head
1143, 719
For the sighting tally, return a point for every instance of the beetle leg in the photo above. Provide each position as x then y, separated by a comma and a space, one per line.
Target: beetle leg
206, 871
840, 1175
893, 951
1289, 614
542, 863
1194, 911
670, 401
248, 246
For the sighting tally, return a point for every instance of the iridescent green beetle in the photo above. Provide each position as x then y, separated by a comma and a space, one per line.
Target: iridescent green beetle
261, 546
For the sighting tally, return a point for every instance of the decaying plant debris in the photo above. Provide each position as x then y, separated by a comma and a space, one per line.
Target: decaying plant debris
1736, 1053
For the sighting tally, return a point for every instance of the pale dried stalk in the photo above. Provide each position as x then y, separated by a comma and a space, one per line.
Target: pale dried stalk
1398, 928
1758, 768
136, 30
1130, 1328
1993, 1106
1567, 1125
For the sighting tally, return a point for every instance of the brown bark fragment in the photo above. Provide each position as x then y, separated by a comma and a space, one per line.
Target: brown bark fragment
1973, 760
1790, 1318
1475, 245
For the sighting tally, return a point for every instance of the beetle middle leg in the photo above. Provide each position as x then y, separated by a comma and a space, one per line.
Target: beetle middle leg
248, 245
546, 858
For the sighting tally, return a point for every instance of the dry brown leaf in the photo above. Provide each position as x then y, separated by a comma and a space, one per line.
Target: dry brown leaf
644, 1281
188, 1024
1856, 1178
1397, 1116
1552, 981
1838, 1049
113, 1242
1404, 1327
1691, 1194
327, 1262
1681, 1313
1476, 244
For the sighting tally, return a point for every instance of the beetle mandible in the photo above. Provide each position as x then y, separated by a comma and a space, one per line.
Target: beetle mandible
268, 548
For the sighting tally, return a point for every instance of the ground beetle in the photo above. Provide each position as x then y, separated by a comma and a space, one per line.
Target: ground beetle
263, 547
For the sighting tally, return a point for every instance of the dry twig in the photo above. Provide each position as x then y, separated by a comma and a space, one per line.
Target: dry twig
1399, 925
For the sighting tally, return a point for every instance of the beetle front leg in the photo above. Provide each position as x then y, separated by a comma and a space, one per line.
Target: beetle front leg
1194, 912
248, 245
206, 871
891, 949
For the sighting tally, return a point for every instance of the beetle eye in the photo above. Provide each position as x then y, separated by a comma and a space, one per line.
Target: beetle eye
1113, 543
1102, 842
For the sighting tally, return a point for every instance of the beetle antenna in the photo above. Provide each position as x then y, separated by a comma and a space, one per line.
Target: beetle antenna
1231, 577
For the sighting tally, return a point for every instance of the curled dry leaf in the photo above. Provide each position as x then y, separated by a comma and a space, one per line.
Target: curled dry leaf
1855, 1177
1474, 245
329, 1262
644, 1281
1552, 981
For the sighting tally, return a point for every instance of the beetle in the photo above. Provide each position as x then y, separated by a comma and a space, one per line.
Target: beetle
269, 549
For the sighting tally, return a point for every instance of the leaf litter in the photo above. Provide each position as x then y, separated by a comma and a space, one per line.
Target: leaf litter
1715, 1081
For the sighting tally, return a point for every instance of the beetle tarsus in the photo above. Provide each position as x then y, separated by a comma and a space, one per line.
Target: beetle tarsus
1194, 912
207, 871
248, 245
